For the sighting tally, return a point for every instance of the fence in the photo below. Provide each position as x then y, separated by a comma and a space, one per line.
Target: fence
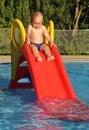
67, 41
72, 43
5, 41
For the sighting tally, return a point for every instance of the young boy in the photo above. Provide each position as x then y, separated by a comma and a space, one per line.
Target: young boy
36, 33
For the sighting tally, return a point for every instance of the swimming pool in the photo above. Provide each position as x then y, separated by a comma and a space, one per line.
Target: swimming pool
19, 109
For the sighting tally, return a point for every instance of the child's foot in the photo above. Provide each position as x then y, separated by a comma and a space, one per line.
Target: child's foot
50, 58
39, 59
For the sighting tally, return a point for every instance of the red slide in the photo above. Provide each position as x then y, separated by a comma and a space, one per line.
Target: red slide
49, 78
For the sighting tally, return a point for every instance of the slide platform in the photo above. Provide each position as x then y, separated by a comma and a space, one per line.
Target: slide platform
49, 78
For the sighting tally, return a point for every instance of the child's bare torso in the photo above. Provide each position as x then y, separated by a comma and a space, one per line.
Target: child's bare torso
37, 35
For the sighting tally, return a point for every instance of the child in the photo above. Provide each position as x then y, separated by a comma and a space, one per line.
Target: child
36, 33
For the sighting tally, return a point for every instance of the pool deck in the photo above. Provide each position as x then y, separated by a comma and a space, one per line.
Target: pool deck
82, 58
65, 58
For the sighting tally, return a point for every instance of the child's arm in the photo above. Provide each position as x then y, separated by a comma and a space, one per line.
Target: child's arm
46, 34
28, 35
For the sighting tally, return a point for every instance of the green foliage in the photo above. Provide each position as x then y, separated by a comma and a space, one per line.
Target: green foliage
2, 13
62, 12
9, 12
5, 41
22, 11
72, 45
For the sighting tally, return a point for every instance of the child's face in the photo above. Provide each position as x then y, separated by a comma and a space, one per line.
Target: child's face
37, 22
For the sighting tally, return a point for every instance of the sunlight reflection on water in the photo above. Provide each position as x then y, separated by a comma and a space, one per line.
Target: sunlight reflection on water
20, 110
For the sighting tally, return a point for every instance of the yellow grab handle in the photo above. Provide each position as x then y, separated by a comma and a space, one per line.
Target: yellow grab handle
22, 30
50, 29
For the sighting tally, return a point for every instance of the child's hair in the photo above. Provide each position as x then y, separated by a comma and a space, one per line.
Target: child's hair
36, 14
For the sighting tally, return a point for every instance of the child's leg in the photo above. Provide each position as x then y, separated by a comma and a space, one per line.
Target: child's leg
45, 48
35, 52
39, 58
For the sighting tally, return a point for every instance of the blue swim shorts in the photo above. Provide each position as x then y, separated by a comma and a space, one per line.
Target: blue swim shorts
37, 45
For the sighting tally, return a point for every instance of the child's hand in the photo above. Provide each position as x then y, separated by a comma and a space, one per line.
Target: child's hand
52, 44
27, 44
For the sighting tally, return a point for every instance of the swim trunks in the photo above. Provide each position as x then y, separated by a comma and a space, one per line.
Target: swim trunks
37, 45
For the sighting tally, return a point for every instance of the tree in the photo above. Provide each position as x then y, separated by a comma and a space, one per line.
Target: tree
2, 13
25, 12
22, 11
78, 12
81, 15
66, 14
9, 12
84, 19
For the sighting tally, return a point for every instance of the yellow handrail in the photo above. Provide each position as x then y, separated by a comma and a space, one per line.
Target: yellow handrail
22, 30
50, 29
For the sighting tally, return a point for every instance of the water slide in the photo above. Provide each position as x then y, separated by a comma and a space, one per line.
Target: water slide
49, 78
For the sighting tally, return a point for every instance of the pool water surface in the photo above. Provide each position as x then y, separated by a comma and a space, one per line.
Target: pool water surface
20, 110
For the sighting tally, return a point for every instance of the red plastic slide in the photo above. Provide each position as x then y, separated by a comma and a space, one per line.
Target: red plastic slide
49, 78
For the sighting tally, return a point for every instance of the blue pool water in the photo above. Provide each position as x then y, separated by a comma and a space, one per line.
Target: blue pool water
20, 110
